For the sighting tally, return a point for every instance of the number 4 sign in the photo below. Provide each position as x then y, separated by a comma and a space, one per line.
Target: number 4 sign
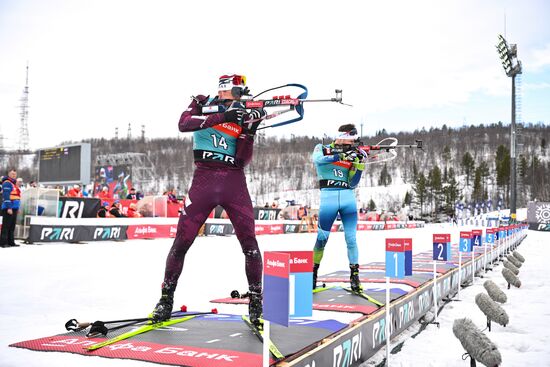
476, 237
442, 247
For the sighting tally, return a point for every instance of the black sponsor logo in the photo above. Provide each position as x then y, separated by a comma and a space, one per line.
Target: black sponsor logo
106, 233
218, 157
57, 233
72, 209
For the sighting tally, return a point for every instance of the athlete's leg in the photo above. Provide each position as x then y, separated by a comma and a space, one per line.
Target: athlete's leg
238, 205
348, 213
200, 201
327, 214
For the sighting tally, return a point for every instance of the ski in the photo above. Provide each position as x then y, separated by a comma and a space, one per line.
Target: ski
365, 296
143, 329
259, 333
322, 288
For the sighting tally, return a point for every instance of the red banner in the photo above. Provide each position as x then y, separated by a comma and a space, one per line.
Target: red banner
152, 231
269, 228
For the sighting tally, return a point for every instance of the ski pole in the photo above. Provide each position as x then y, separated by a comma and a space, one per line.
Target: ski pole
74, 325
98, 328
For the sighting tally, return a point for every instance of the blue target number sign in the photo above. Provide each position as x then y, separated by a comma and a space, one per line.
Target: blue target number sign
477, 237
465, 244
442, 247
489, 236
408, 243
395, 257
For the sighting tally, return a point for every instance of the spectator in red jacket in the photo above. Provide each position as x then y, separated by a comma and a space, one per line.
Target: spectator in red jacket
104, 193
133, 212
75, 192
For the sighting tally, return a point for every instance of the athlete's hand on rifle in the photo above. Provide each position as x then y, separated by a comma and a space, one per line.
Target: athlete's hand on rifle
234, 115
252, 121
349, 156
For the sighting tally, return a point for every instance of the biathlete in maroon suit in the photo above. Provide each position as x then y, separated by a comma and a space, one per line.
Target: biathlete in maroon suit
222, 146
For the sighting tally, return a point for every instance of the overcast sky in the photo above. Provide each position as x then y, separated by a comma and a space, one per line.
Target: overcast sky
96, 65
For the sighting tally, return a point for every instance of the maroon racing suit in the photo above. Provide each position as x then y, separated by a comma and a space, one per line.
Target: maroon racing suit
216, 182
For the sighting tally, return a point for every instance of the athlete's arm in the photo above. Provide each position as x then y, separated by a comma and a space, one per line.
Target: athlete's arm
320, 157
355, 173
192, 119
245, 148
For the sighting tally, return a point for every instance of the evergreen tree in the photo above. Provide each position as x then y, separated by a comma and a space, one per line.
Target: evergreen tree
468, 165
522, 166
385, 178
408, 199
452, 192
477, 194
435, 186
502, 162
421, 191
372, 205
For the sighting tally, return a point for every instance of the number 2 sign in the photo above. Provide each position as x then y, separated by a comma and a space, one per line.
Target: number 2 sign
442, 247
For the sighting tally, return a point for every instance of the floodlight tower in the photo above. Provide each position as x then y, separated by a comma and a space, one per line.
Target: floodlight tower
512, 66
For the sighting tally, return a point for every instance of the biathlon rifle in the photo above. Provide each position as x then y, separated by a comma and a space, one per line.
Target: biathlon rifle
384, 151
292, 104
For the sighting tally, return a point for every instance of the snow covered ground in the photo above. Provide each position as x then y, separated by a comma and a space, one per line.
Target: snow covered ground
43, 286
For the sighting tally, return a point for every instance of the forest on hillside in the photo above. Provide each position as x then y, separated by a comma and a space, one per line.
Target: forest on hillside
467, 164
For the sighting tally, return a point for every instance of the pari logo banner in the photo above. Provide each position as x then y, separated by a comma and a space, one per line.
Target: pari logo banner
288, 277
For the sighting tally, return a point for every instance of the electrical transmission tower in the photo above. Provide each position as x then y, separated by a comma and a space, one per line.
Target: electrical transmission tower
24, 114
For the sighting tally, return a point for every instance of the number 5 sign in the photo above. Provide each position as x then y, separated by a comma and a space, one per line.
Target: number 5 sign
442, 247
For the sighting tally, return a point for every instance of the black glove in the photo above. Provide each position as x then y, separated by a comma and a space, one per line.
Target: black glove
234, 115
250, 128
256, 114
351, 155
252, 121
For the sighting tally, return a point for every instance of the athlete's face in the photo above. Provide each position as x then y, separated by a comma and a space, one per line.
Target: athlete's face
225, 94
344, 141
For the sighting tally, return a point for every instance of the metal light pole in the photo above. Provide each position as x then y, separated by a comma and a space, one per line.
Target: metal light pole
512, 67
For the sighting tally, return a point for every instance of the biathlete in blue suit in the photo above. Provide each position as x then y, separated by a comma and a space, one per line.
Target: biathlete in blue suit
339, 167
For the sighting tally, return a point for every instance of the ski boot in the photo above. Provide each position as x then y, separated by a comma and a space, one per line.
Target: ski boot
354, 278
163, 309
315, 270
255, 308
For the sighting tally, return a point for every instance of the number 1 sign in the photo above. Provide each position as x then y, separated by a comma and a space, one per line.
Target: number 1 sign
398, 257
